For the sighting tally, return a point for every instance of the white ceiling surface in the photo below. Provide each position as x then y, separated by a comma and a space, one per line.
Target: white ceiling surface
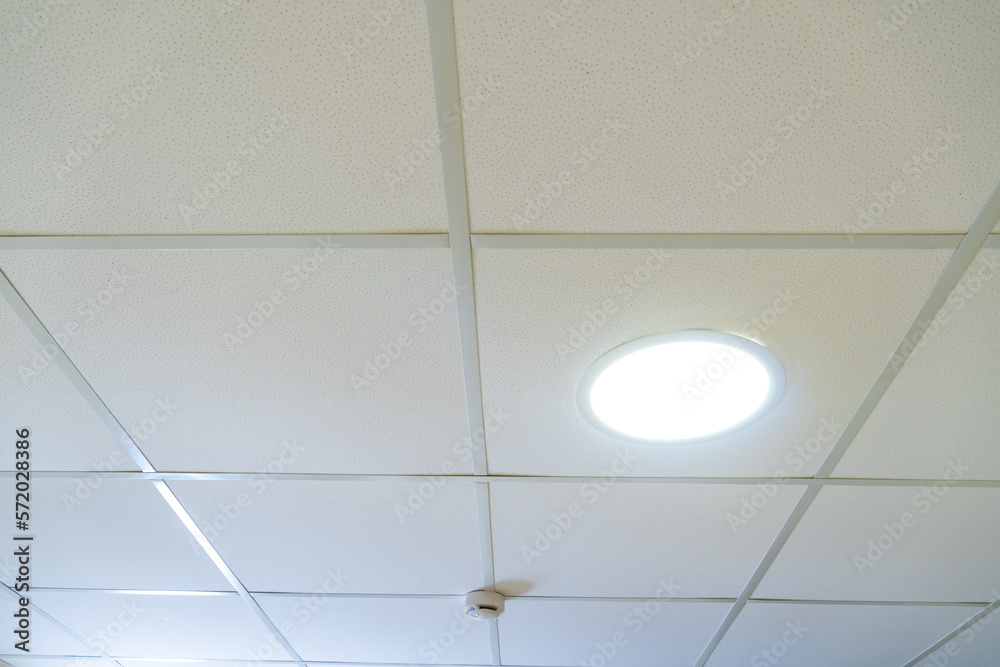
161, 626
689, 124
943, 405
37, 395
804, 635
652, 631
223, 75
287, 536
281, 401
100, 532
926, 545
680, 532
844, 313
356, 629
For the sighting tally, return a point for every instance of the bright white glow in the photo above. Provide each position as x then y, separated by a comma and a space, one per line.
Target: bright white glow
680, 387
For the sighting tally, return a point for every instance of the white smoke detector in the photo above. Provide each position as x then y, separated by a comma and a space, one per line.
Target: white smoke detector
483, 605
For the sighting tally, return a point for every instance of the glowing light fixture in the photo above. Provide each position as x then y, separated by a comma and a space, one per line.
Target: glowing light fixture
680, 387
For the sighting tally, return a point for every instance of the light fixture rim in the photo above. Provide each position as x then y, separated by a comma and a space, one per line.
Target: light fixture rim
771, 365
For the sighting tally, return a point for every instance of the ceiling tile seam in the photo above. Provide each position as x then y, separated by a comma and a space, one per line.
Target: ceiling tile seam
988, 609
525, 598
72, 373
89, 394
442, 44
227, 571
59, 624
722, 241
694, 241
960, 261
507, 479
225, 241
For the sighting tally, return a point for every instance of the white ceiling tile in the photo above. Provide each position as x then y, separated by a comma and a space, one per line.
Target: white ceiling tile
613, 539
64, 431
979, 644
821, 635
295, 536
932, 544
164, 626
392, 630
45, 637
198, 390
619, 131
943, 405
627, 633
110, 534
844, 313
255, 117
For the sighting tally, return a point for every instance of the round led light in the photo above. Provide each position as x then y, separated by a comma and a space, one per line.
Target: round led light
680, 387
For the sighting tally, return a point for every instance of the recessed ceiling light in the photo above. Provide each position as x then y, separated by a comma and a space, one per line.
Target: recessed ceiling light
680, 387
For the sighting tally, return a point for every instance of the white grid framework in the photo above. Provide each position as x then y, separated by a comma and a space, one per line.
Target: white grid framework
461, 243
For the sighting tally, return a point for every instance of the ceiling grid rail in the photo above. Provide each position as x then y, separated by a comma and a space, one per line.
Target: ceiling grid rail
960, 261
87, 392
444, 69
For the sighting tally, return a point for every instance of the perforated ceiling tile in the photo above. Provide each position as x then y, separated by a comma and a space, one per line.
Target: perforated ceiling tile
808, 635
628, 633
737, 117
226, 117
44, 637
383, 537
36, 661
931, 544
64, 432
613, 539
832, 318
100, 532
942, 407
164, 626
337, 629
268, 360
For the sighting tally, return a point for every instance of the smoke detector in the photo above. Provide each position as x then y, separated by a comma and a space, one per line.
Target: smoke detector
483, 605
